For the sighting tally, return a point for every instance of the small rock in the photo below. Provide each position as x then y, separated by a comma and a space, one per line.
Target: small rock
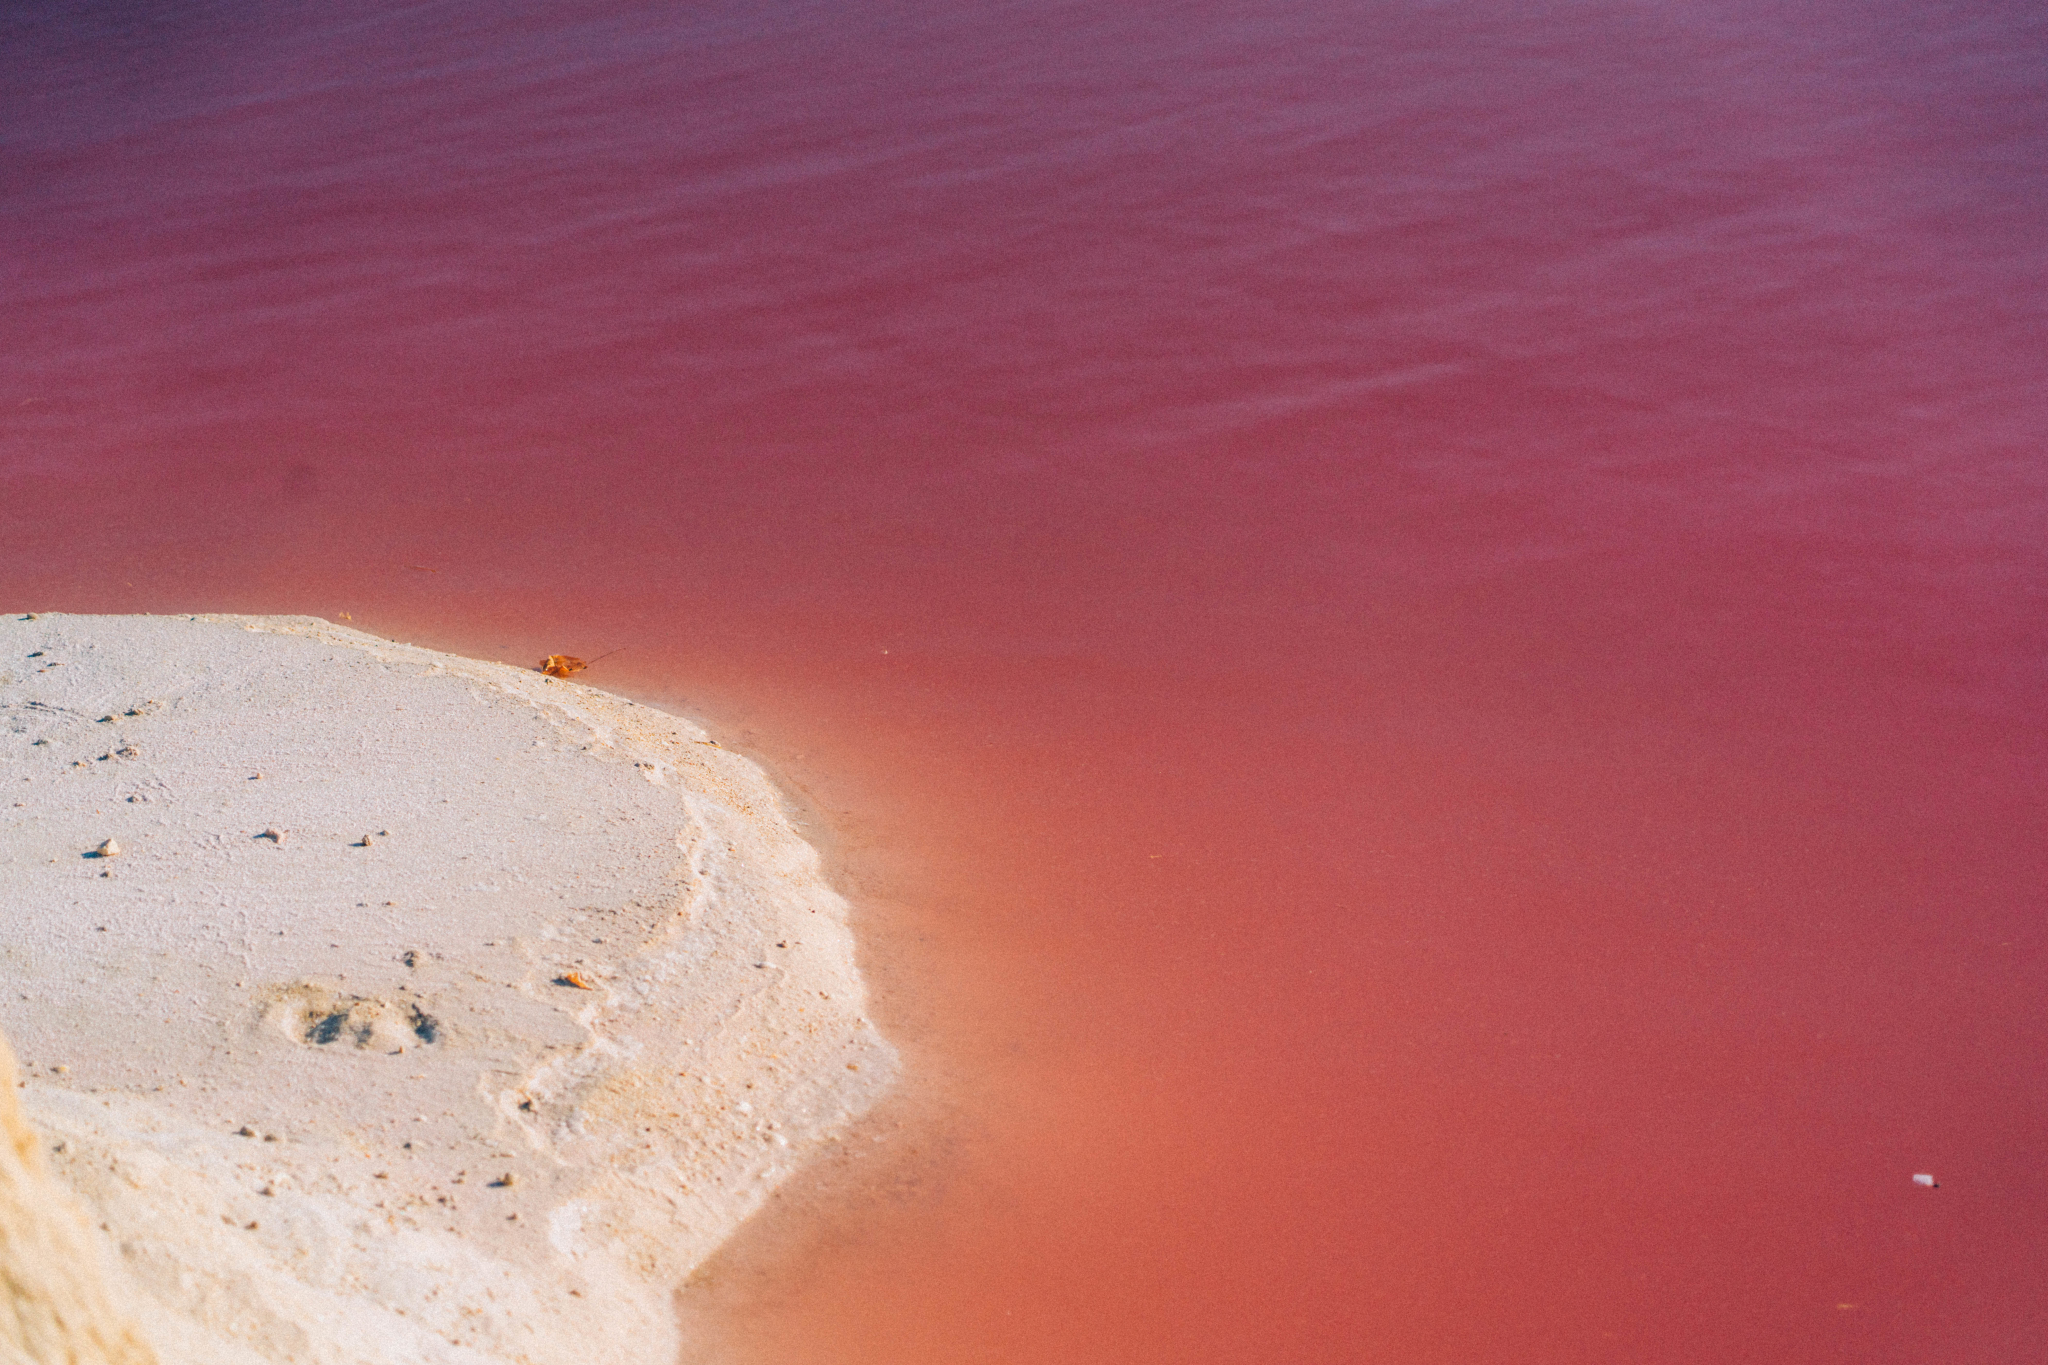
245, 1131
505, 1181
275, 835
574, 979
364, 842
108, 849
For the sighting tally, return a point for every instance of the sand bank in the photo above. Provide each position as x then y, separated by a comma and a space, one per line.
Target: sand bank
420, 1008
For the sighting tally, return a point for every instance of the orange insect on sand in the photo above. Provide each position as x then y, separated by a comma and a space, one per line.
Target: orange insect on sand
562, 665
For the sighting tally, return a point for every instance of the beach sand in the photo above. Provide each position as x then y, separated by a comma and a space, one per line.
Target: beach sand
419, 1008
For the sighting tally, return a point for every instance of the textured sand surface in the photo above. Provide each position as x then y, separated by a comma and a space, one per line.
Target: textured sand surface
481, 1088
56, 1307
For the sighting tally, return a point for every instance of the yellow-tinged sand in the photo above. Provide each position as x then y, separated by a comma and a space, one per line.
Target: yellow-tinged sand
421, 1009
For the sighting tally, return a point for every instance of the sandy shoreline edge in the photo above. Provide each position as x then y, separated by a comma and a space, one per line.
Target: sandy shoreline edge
461, 1033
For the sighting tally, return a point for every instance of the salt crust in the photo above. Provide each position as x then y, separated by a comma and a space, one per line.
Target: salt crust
481, 1089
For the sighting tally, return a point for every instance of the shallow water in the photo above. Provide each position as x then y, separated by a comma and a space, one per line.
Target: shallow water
1419, 628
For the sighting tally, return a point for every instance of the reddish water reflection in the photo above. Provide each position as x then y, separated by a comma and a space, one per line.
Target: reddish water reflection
1421, 631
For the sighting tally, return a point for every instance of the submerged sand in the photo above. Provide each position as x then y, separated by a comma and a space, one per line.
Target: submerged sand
430, 1010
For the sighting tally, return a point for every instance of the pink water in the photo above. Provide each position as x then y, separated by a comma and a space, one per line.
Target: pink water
1419, 628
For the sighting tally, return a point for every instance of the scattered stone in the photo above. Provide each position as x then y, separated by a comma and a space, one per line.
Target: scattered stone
108, 849
275, 835
363, 842
574, 979
245, 1131
505, 1181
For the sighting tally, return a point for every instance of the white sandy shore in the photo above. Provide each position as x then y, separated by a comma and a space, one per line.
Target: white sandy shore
333, 1101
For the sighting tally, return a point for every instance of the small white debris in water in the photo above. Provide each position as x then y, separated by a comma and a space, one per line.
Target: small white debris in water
1927, 1181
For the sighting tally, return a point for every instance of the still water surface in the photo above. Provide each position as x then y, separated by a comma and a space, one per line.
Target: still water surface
1419, 628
